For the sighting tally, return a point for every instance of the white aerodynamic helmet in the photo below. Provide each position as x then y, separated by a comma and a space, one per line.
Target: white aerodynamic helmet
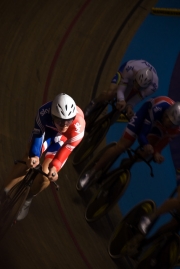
63, 107
173, 113
144, 77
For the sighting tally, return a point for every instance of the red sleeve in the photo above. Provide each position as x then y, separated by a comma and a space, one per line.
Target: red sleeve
74, 134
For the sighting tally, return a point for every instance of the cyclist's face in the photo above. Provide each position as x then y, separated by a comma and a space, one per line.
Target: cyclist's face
61, 124
167, 122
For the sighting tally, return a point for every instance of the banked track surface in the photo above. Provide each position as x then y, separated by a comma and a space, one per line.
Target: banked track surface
49, 47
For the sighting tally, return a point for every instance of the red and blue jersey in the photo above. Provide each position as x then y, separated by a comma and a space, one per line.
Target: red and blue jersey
45, 134
148, 122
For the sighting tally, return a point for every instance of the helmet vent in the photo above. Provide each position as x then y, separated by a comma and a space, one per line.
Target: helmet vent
61, 109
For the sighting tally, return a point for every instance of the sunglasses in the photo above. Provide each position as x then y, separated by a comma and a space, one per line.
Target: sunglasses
62, 122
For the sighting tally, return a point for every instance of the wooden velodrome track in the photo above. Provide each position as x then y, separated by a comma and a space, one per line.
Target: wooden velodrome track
48, 47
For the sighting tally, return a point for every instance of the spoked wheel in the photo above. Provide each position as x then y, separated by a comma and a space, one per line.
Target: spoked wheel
79, 185
11, 206
121, 243
90, 141
163, 253
108, 194
93, 116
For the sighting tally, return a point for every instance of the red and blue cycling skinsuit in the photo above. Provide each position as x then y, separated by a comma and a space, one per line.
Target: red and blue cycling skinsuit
46, 138
147, 124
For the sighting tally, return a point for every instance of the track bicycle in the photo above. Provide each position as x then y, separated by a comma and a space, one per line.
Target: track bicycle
94, 115
13, 202
111, 186
92, 140
160, 250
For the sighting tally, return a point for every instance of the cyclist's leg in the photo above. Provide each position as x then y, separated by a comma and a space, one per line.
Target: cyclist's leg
126, 141
41, 182
122, 145
104, 96
171, 204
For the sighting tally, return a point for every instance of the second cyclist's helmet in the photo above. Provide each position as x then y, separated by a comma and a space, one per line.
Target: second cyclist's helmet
63, 106
144, 77
173, 113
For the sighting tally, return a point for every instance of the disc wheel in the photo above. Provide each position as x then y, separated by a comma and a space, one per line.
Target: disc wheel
121, 239
163, 253
108, 195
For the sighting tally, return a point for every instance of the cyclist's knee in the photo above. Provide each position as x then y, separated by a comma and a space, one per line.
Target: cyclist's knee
123, 144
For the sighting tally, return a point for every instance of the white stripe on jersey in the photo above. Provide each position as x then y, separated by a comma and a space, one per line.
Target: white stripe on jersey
75, 138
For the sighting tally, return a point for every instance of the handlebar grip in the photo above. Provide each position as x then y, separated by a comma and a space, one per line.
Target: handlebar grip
38, 168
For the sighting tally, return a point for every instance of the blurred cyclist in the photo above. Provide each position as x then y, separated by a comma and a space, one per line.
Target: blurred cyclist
155, 124
58, 129
134, 81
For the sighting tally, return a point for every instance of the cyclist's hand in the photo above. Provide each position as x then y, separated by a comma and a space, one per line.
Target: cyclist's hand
32, 161
129, 112
120, 105
158, 157
148, 149
53, 174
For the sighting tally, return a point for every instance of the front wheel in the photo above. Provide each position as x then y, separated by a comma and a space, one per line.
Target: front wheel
121, 239
108, 194
90, 166
11, 206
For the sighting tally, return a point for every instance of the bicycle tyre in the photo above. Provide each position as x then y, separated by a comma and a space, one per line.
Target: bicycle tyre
127, 228
108, 194
11, 206
90, 165
161, 255
93, 116
91, 141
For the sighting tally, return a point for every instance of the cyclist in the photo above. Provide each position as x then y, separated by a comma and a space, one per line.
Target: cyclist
134, 81
154, 125
58, 129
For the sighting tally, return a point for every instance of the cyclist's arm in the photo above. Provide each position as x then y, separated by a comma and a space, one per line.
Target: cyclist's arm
64, 152
121, 90
37, 137
75, 135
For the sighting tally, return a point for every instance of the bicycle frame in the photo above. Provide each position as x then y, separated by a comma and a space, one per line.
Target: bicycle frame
14, 200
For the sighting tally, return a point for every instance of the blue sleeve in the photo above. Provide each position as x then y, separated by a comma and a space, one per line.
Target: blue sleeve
36, 145
43, 118
37, 136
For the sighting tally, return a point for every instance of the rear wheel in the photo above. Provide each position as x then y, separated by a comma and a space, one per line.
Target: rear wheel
94, 115
121, 239
91, 141
108, 194
11, 206
163, 253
